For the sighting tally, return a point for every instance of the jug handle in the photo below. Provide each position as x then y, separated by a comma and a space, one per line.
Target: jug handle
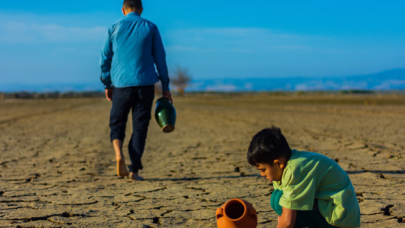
219, 213
253, 212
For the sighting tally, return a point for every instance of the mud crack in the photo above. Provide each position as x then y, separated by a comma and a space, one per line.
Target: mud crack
387, 210
49, 218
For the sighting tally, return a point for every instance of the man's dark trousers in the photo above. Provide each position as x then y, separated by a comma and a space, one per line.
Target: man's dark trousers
139, 99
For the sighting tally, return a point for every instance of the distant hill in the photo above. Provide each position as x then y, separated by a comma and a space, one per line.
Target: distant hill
61, 87
386, 80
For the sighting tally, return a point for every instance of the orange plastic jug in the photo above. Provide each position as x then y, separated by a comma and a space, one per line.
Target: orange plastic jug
236, 213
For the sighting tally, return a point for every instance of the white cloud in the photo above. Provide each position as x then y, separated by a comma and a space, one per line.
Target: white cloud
237, 32
19, 32
248, 86
244, 40
330, 85
181, 48
390, 84
222, 87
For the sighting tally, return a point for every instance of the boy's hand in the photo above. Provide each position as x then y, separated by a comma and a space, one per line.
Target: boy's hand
287, 218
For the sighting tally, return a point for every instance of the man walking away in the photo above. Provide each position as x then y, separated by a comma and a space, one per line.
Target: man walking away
132, 48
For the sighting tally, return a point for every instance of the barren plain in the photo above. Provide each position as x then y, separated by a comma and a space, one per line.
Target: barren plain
57, 166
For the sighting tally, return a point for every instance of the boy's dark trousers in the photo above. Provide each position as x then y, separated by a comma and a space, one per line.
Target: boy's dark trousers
310, 219
139, 99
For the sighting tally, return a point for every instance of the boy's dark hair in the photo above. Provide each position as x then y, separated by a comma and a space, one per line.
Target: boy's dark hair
268, 145
133, 4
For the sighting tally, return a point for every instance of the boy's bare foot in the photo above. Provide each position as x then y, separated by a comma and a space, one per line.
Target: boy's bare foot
122, 170
135, 177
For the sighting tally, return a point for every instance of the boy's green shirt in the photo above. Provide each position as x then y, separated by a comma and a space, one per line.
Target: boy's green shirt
309, 176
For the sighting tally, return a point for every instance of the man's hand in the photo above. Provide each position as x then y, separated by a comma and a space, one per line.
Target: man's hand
109, 94
168, 95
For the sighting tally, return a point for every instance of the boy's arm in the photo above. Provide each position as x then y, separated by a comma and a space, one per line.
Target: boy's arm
287, 218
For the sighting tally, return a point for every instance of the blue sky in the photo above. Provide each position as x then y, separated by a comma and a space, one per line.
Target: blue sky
44, 41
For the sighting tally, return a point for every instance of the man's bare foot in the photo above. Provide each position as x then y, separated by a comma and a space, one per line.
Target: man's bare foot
135, 177
122, 170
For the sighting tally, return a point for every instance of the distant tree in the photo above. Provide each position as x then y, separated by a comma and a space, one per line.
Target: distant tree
2, 97
181, 79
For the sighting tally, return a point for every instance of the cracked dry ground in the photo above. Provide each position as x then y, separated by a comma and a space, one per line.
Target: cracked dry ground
57, 166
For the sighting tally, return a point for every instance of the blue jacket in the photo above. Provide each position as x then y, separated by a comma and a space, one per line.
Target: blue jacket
131, 49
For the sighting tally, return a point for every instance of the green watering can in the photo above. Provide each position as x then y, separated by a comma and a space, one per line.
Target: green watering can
165, 115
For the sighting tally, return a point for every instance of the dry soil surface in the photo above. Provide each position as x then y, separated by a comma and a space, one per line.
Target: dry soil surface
57, 165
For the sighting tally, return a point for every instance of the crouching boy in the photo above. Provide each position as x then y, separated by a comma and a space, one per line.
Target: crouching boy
311, 190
